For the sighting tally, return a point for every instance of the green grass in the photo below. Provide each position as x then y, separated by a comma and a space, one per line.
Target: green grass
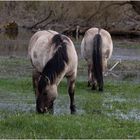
98, 119
128, 44
115, 113
13, 67
68, 126
17, 85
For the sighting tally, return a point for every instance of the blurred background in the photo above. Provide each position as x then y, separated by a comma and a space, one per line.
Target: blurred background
64, 16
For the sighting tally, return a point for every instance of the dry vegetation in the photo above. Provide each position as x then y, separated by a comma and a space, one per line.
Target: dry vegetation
67, 14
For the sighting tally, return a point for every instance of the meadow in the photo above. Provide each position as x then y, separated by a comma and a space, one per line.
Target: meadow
115, 113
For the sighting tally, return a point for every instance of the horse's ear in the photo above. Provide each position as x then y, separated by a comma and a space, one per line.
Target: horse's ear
47, 80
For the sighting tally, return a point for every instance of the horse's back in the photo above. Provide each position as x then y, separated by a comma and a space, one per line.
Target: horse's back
40, 48
72, 54
39, 36
87, 43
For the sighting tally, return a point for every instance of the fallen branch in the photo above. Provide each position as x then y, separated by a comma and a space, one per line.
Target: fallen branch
110, 70
53, 20
119, 61
40, 22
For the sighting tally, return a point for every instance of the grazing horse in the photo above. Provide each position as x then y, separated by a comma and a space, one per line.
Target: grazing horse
96, 48
53, 56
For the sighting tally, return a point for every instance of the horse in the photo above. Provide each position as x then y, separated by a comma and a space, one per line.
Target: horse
53, 57
96, 48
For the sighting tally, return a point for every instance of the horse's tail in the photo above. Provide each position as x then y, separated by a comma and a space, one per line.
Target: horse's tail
97, 67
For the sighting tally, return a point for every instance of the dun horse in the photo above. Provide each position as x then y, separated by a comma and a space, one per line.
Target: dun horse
53, 56
96, 48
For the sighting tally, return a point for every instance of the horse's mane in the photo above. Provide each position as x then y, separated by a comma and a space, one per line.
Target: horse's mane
56, 64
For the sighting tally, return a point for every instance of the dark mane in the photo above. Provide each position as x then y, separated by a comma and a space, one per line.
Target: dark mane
56, 64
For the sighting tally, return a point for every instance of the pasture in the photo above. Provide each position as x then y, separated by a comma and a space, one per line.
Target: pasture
115, 113
111, 114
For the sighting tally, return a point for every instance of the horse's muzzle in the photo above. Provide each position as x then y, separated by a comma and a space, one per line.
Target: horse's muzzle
42, 110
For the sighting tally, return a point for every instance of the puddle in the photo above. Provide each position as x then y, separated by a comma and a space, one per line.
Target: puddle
20, 107
61, 106
115, 98
131, 115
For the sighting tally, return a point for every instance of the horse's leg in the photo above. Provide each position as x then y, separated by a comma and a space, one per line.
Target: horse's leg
51, 108
35, 78
104, 62
89, 75
94, 81
71, 86
101, 86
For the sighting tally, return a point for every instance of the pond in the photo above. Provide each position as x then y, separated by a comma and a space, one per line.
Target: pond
15, 46
18, 46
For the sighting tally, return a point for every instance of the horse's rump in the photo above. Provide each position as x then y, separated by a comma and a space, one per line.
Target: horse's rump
40, 49
87, 43
96, 48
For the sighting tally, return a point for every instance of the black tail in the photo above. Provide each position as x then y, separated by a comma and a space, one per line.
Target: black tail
97, 67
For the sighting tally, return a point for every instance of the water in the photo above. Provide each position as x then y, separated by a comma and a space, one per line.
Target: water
61, 107
126, 54
17, 107
18, 46
133, 114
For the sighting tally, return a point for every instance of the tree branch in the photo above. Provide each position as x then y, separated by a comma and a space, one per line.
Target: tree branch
40, 22
104, 8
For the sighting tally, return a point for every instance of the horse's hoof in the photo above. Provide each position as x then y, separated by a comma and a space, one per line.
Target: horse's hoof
73, 109
88, 84
101, 89
51, 112
94, 87
73, 112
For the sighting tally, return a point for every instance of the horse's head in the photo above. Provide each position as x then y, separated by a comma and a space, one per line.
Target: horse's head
46, 96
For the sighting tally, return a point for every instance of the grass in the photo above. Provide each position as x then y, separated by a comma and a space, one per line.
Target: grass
13, 67
129, 43
16, 85
115, 113
87, 126
96, 121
